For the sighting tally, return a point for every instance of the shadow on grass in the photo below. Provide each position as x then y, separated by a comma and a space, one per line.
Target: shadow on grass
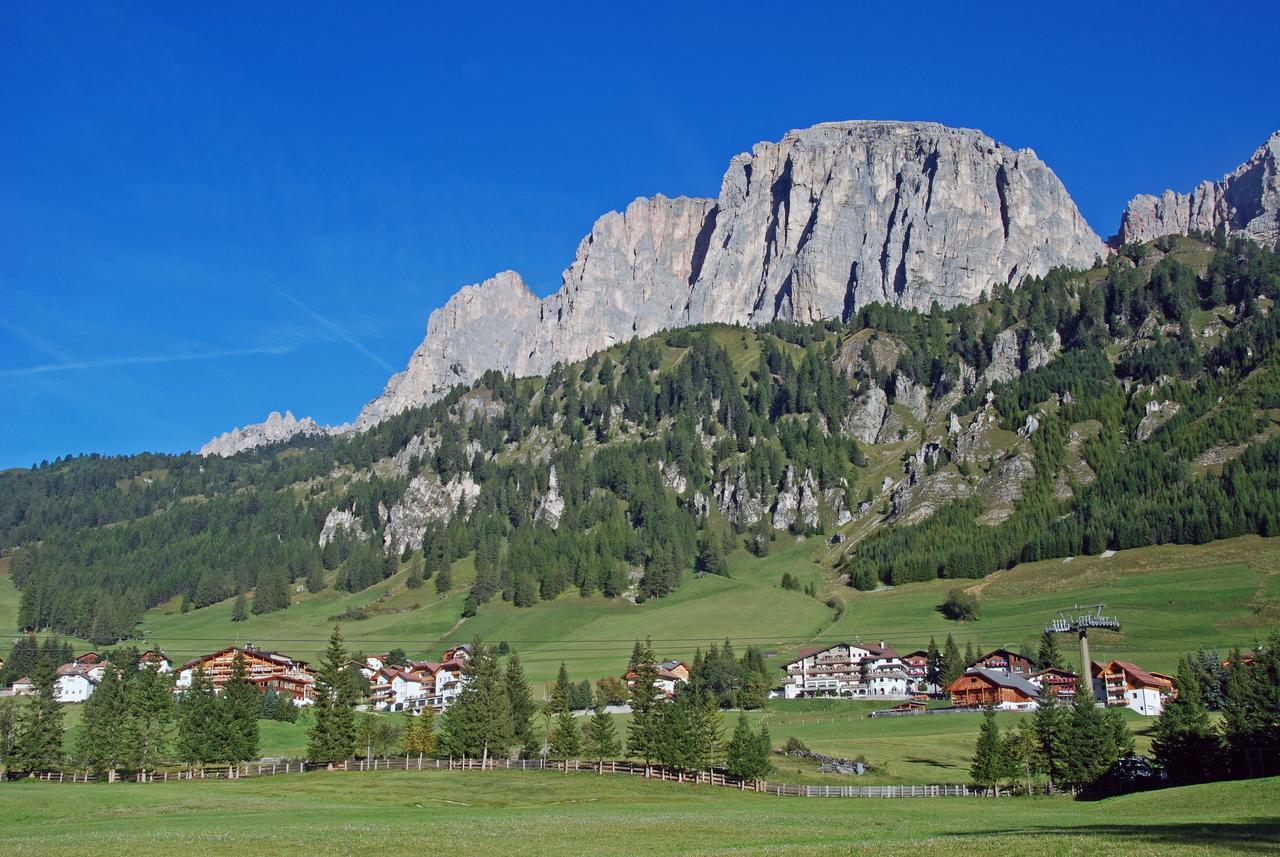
1257, 834
920, 760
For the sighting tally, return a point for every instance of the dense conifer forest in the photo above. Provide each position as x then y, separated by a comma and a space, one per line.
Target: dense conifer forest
640, 446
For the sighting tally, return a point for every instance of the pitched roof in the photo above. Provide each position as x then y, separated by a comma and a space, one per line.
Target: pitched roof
1000, 678
1138, 673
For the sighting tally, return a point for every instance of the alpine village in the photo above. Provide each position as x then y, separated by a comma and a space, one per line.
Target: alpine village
879, 475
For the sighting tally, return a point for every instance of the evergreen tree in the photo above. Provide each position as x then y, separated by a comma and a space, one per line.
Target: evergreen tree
240, 707
1186, 744
600, 736
645, 699
241, 610
564, 742
272, 593
953, 665
152, 715
1047, 655
39, 732
444, 580
934, 668
478, 723
990, 765
314, 575
561, 692
106, 741
8, 734
1050, 723
1025, 756
333, 735
1087, 746
520, 701
201, 732
970, 657
748, 754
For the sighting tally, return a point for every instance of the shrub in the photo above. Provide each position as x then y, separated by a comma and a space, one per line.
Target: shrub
960, 606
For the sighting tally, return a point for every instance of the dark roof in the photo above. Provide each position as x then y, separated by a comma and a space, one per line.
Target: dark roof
1000, 678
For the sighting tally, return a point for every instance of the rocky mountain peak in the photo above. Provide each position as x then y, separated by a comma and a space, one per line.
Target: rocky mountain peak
274, 429
1246, 201
816, 225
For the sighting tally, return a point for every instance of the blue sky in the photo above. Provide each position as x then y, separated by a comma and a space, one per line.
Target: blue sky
207, 214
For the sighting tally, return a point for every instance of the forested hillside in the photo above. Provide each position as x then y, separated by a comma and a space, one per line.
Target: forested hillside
1127, 405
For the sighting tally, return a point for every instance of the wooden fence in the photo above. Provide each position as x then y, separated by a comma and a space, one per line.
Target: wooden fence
654, 772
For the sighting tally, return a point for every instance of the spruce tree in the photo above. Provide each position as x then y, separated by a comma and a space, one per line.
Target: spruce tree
241, 610
1088, 743
565, 742
8, 734
990, 764
240, 707
1023, 754
478, 723
520, 700
444, 579
152, 707
39, 732
105, 741
333, 735
1186, 744
314, 575
934, 667
601, 737
202, 733
1047, 655
645, 698
1049, 724
953, 665
561, 692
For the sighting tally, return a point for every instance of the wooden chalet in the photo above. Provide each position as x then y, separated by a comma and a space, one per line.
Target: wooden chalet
1055, 682
980, 688
1006, 661
287, 676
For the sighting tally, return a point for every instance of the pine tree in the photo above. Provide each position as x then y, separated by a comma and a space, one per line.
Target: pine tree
561, 692
8, 734
564, 742
478, 723
39, 733
1023, 753
241, 610
315, 576
520, 700
201, 732
970, 657
748, 754
1087, 746
600, 736
713, 729
1186, 744
645, 699
934, 669
105, 740
1047, 655
333, 736
152, 715
240, 706
1049, 724
444, 580
953, 665
990, 764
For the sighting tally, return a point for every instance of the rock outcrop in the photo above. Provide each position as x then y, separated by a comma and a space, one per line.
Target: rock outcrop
274, 429
814, 226
1246, 201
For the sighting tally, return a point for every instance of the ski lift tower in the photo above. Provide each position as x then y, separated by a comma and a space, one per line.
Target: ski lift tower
1079, 619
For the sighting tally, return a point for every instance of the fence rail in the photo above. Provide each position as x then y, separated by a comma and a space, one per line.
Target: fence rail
412, 763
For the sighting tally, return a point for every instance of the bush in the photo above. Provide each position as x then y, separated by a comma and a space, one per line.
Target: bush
960, 606
795, 745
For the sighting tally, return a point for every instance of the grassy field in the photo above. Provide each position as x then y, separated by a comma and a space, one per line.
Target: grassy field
546, 813
1169, 599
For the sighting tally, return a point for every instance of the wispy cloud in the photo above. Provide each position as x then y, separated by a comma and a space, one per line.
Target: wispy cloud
141, 360
337, 330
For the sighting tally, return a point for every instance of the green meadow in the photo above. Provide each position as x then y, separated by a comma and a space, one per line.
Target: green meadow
536, 813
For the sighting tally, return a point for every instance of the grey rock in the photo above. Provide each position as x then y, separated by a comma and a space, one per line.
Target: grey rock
426, 499
911, 396
274, 429
338, 520
551, 506
1245, 201
866, 416
1158, 413
814, 226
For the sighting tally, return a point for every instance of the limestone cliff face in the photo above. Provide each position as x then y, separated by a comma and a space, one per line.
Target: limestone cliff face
1246, 201
274, 429
815, 226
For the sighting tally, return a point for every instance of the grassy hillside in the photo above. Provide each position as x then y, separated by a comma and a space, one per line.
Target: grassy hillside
535, 814
1169, 599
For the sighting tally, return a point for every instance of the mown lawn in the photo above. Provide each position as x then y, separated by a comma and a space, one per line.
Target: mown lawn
556, 814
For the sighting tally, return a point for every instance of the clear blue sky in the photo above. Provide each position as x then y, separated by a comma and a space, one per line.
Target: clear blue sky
209, 214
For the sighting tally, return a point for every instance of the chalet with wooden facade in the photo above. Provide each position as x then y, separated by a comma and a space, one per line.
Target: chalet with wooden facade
980, 688
288, 677
671, 674
1055, 682
1006, 661
1120, 683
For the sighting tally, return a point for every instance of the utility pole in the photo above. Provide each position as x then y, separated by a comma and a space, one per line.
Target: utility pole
1079, 619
